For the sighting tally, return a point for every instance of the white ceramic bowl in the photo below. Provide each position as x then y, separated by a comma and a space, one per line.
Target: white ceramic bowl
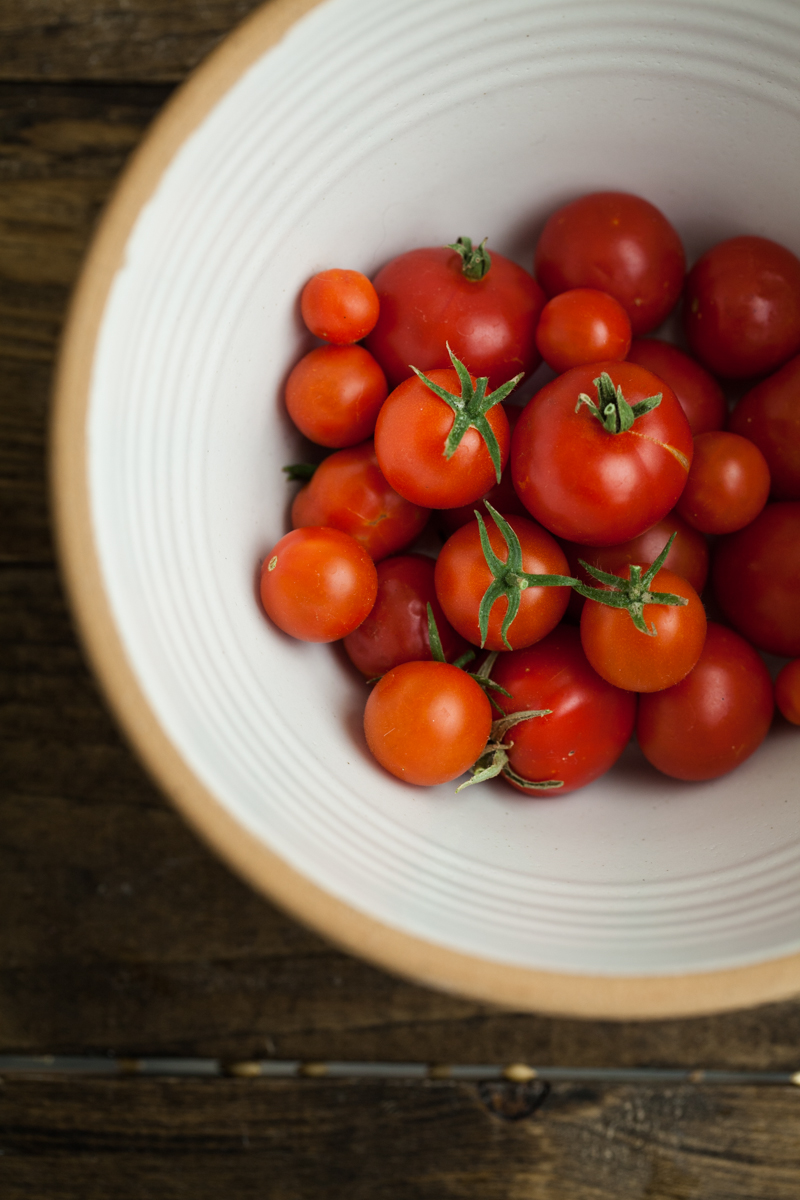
340, 134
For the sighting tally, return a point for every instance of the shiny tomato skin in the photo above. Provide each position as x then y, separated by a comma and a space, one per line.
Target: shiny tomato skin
502, 495
396, 630
410, 437
787, 691
462, 577
756, 578
715, 718
427, 722
633, 660
318, 584
698, 392
728, 483
590, 722
769, 415
427, 301
334, 395
340, 306
594, 487
582, 326
617, 243
349, 492
742, 307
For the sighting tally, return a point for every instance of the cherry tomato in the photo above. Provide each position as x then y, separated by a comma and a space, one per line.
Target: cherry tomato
728, 483
590, 722
715, 717
742, 307
591, 486
502, 495
427, 301
427, 722
633, 660
582, 326
756, 577
787, 691
396, 630
339, 306
349, 492
769, 415
463, 576
619, 244
334, 395
318, 584
699, 394
410, 438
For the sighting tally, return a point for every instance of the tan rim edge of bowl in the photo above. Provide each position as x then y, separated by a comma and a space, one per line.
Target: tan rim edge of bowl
514, 987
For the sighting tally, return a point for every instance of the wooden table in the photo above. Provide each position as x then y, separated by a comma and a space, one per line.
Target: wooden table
121, 934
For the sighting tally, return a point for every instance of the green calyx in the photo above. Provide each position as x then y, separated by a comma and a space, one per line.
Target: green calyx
632, 593
509, 579
470, 409
475, 260
612, 409
300, 472
481, 676
494, 760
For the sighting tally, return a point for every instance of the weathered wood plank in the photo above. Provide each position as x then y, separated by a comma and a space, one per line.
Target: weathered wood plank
361, 1141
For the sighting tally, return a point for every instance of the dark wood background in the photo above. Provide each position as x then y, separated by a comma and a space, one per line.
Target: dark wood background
122, 934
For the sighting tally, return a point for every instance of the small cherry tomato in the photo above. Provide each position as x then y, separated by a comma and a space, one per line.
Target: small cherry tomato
742, 307
396, 630
334, 395
715, 717
756, 577
582, 326
349, 492
619, 244
586, 483
636, 661
769, 415
699, 394
728, 483
427, 722
787, 691
463, 577
485, 306
339, 306
318, 584
589, 724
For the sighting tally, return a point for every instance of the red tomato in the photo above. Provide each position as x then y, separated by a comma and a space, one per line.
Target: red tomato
630, 659
594, 487
769, 415
713, 719
590, 722
463, 576
396, 631
318, 584
348, 491
427, 722
502, 495
582, 326
787, 691
756, 577
742, 307
688, 555
334, 395
426, 301
339, 306
728, 483
619, 244
699, 394
410, 439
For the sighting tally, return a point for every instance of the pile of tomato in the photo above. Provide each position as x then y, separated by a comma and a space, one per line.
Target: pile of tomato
567, 607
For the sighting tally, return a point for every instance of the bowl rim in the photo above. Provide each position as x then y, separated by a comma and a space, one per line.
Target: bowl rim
555, 993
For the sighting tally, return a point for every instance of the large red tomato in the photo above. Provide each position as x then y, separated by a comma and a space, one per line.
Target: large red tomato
769, 415
617, 243
699, 394
427, 300
589, 485
742, 307
715, 717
